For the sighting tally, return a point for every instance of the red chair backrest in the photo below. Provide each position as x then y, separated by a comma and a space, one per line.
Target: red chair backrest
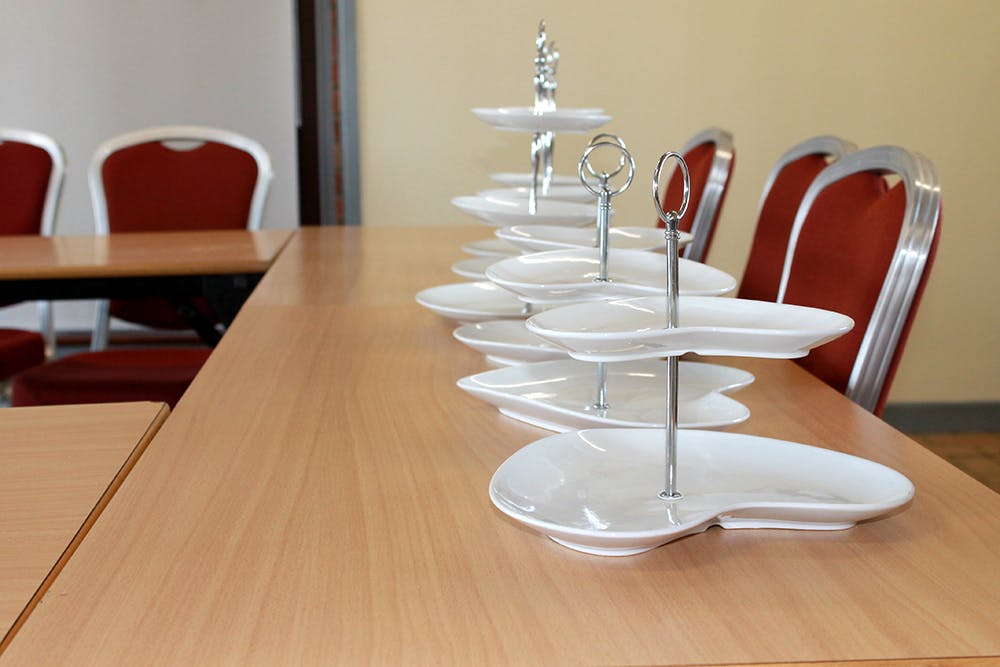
710, 158
152, 187
24, 181
848, 240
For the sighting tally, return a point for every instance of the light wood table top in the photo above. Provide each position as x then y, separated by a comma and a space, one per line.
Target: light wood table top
320, 497
140, 254
59, 467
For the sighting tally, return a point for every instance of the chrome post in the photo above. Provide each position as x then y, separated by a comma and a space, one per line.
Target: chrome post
672, 236
543, 143
604, 192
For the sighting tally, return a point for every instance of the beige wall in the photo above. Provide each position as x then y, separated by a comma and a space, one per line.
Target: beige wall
920, 74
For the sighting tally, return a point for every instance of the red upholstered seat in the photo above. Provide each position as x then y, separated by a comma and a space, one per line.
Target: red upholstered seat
865, 249
155, 374
19, 350
710, 158
791, 176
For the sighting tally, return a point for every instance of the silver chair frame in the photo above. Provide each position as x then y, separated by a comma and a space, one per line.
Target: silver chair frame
916, 235
715, 186
49, 210
825, 145
168, 133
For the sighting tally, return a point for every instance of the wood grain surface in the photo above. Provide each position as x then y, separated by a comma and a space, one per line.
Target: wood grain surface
320, 497
59, 467
140, 254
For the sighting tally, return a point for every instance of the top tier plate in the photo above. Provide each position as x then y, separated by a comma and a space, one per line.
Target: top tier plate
576, 193
539, 238
525, 119
636, 328
523, 179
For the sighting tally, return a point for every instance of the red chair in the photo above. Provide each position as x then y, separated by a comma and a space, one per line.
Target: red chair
31, 175
863, 247
173, 178
158, 179
783, 192
710, 157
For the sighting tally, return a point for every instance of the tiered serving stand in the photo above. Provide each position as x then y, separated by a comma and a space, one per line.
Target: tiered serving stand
623, 491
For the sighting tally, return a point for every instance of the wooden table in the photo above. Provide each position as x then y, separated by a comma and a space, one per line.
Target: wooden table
223, 266
59, 467
320, 497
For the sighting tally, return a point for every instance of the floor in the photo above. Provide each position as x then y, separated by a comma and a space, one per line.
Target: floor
977, 454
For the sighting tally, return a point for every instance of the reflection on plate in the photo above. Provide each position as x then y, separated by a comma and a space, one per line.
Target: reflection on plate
539, 238
502, 212
526, 119
524, 179
472, 302
576, 193
636, 328
596, 490
560, 395
572, 275
508, 342
473, 268
491, 248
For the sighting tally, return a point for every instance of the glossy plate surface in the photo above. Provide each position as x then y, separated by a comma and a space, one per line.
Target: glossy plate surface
576, 193
501, 212
474, 268
539, 238
524, 179
571, 274
490, 248
636, 328
596, 490
560, 395
508, 342
471, 302
525, 119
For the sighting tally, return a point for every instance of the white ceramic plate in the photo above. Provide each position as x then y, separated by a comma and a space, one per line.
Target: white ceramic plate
524, 179
474, 268
596, 491
526, 119
576, 193
539, 238
472, 302
571, 275
507, 342
560, 395
636, 328
491, 248
501, 212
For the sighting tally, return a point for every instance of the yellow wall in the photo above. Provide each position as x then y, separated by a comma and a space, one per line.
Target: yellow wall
921, 74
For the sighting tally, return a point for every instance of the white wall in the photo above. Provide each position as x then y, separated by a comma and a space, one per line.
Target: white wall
85, 71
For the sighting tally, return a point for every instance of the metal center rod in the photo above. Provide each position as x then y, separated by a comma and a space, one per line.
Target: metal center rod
603, 225
673, 384
602, 386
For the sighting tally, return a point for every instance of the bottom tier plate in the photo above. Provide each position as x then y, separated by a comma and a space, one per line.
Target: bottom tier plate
596, 491
560, 395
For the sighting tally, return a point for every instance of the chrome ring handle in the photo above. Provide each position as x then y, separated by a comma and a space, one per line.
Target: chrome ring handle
671, 216
602, 138
626, 158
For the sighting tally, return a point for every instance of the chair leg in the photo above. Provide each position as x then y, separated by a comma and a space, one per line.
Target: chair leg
48, 329
99, 339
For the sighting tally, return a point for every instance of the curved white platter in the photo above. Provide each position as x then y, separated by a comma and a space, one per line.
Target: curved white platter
576, 193
561, 275
474, 268
508, 342
500, 212
636, 328
539, 238
560, 395
490, 248
526, 119
596, 490
472, 302
523, 180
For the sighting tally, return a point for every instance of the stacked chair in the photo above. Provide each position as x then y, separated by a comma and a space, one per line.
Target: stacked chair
710, 157
159, 179
32, 166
